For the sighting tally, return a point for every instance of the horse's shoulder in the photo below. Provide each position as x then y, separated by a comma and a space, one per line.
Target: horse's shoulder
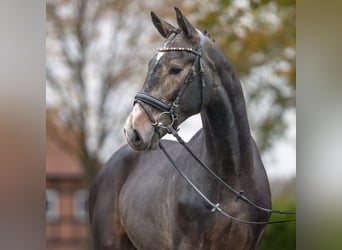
115, 169
123, 155
118, 164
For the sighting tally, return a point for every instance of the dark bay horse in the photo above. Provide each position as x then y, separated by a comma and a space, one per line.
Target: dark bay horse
138, 200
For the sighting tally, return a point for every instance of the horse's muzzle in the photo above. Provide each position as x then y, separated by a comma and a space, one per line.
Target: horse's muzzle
139, 132
138, 143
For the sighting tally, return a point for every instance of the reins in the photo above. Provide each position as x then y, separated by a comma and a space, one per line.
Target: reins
143, 98
216, 207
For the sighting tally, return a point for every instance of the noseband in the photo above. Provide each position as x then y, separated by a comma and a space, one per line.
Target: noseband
169, 109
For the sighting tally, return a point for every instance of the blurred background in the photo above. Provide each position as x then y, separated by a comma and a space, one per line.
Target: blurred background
96, 60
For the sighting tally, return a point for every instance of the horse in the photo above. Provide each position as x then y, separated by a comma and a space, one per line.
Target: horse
138, 200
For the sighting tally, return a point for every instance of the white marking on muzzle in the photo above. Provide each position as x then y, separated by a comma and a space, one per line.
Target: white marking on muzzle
136, 112
138, 121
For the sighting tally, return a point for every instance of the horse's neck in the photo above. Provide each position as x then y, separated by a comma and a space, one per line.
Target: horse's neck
227, 135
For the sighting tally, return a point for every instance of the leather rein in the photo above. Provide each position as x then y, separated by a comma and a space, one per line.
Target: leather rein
169, 109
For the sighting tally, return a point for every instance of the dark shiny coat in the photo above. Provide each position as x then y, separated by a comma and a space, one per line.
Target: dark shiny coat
140, 202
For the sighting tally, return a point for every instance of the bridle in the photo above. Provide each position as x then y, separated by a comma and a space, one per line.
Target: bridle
170, 109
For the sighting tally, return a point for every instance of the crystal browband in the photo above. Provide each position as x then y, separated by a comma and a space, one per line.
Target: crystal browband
191, 50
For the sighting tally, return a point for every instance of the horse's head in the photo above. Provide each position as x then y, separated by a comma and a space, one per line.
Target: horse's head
173, 89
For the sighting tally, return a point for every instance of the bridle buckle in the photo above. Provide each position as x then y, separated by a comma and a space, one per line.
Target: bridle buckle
160, 124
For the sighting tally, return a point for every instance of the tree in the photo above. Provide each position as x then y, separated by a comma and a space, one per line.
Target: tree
92, 50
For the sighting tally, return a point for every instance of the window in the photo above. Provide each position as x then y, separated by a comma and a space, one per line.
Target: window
81, 205
52, 205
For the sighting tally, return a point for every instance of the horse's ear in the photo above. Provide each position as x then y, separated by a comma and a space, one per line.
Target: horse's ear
186, 26
164, 28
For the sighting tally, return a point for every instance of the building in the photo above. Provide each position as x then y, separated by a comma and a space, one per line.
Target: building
67, 223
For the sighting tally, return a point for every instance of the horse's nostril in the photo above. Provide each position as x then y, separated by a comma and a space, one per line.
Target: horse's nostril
137, 139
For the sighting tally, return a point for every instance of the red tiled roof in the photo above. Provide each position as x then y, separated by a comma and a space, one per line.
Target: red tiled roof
60, 163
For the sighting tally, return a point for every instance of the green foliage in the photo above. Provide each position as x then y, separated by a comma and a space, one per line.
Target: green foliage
281, 236
261, 34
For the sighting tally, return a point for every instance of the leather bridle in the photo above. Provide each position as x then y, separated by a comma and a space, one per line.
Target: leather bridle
170, 109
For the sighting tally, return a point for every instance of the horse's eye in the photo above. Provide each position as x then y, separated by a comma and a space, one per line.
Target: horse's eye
174, 70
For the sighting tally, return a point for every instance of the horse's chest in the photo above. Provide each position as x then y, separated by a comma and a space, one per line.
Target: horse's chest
144, 206
166, 214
